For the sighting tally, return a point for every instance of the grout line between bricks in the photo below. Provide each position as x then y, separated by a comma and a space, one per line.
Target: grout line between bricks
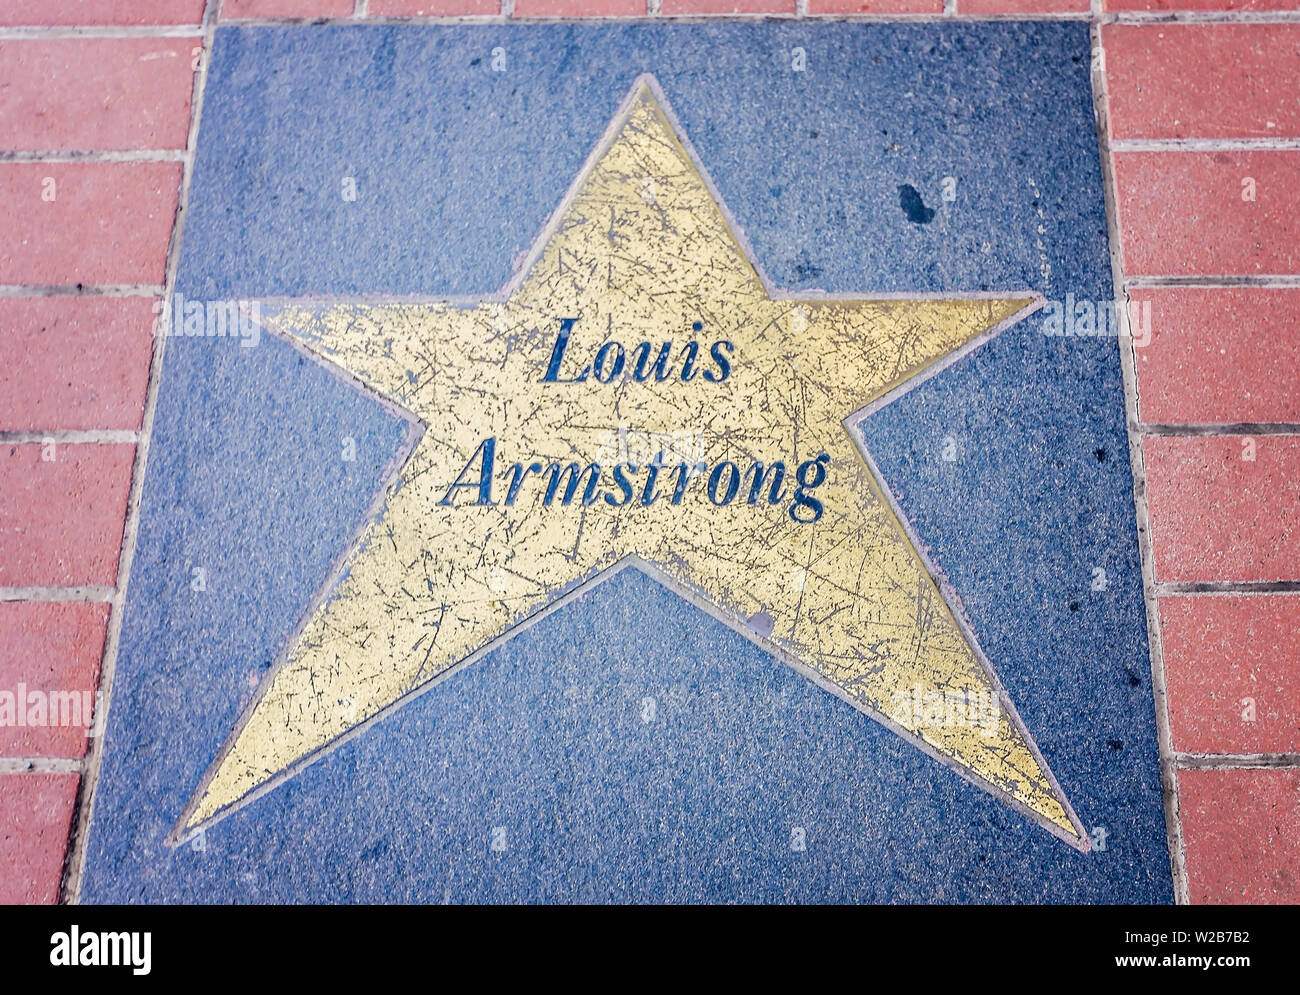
39, 765
1205, 145
1237, 761
1234, 428
742, 16
1211, 282
1230, 587
1128, 368
71, 155
89, 593
360, 9
81, 290
69, 435
1094, 16
84, 814
1203, 17
101, 31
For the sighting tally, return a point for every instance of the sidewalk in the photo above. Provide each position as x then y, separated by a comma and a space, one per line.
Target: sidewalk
1200, 138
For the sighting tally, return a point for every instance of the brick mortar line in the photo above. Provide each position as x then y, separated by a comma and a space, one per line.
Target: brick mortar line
1271, 281
1238, 761
75, 860
744, 16
1203, 17
40, 765
87, 155
1228, 429
1227, 587
1128, 370
87, 593
80, 290
18, 33
69, 436
1205, 145
360, 9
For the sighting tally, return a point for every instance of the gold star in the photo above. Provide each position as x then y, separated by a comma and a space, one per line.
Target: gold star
675, 450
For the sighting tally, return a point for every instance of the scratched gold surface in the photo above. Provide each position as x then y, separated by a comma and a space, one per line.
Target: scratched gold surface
640, 252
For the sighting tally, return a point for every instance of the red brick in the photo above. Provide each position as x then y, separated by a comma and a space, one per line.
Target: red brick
674, 7
287, 8
1203, 80
95, 93
50, 648
1182, 213
1242, 832
875, 6
1219, 356
1023, 6
74, 362
1118, 5
432, 8
1226, 654
1216, 516
580, 8
109, 222
62, 520
35, 816
91, 12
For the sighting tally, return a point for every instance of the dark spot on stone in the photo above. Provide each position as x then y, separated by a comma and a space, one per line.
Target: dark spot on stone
803, 268
814, 133
1133, 679
1100, 454
376, 850
381, 63
775, 191
1115, 744
475, 62
913, 206
1074, 606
